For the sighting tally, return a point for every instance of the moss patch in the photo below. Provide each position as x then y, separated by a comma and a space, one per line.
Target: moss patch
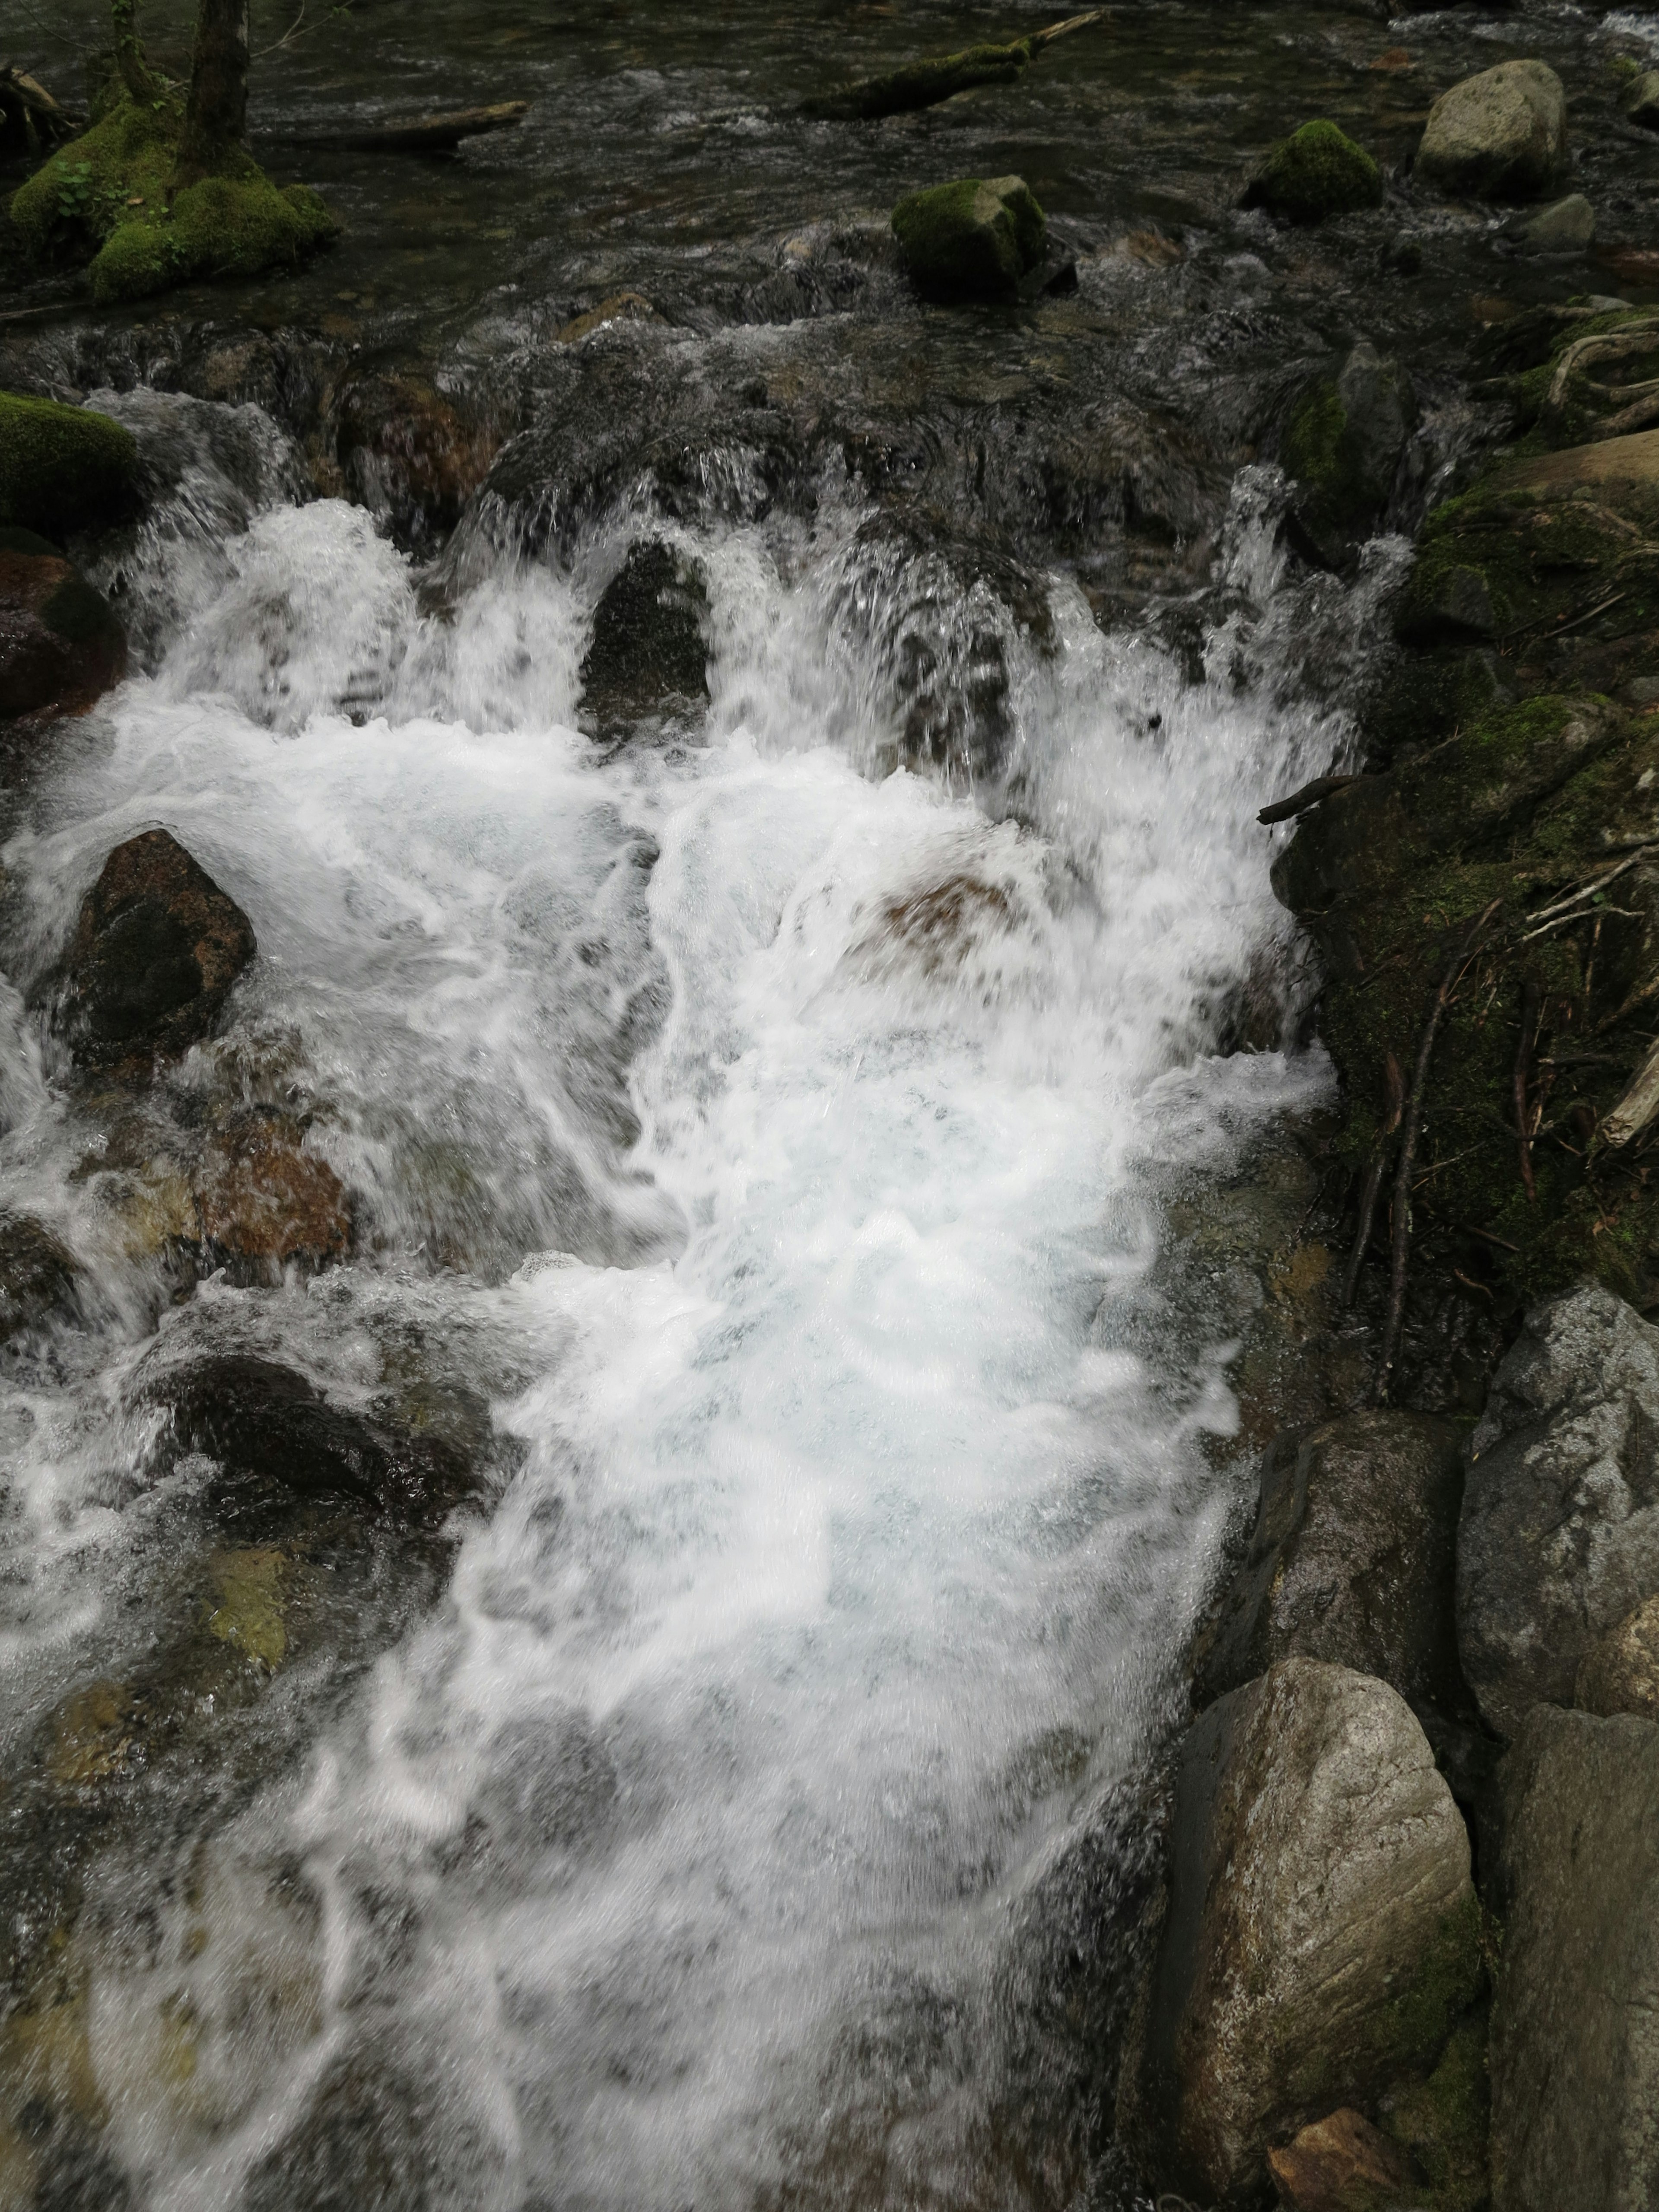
925, 83
220, 227
1444, 2122
61, 468
250, 1586
1316, 172
970, 239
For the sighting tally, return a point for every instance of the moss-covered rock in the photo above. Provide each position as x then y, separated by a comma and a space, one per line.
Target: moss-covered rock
223, 227
1444, 2120
1343, 444
971, 239
1317, 171
61, 468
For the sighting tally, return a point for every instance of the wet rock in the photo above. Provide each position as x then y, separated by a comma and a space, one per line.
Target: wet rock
265, 1203
410, 453
1344, 442
1500, 135
61, 648
1322, 1935
1642, 100
1619, 1673
971, 239
1353, 1561
1454, 602
62, 468
1574, 2061
1567, 227
619, 307
1343, 2164
1559, 1541
154, 953
39, 1278
648, 655
1316, 172
375, 2137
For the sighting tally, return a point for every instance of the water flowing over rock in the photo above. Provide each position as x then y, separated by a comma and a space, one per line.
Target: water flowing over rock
1500, 135
648, 654
1558, 1540
39, 1278
1575, 2059
1321, 1936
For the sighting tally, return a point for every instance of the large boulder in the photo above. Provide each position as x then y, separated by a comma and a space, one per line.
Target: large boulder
972, 239
154, 953
1317, 171
1575, 2047
1321, 1933
1558, 1540
62, 468
61, 648
1353, 1559
1500, 135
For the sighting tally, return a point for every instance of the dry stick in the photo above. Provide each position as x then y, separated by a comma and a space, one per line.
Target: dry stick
1403, 1182
1532, 999
1373, 1184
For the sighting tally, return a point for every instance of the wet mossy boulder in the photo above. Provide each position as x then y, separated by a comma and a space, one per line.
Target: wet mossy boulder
971, 239
62, 468
39, 1279
108, 198
1343, 444
61, 646
1316, 172
1499, 136
648, 655
155, 951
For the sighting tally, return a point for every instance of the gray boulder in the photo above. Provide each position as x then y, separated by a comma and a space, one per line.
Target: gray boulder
1566, 226
1575, 2027
1500, 135
1321, 1932
1558, 1538
1353, 1559
1619, 1673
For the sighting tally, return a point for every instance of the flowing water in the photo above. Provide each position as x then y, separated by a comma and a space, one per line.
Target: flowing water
760, 1127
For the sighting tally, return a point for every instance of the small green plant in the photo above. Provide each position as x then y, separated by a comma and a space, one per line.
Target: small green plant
75, 191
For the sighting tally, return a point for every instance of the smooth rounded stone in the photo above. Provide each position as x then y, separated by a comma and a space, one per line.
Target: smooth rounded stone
1343, 2164
1321, 1933
1316, 172
648, 654
39, 1278
61, 646
156, 949
1558, 1538
62, 468
1353, 1561
1575, 2047
1499, 136
265, 1203
1621, 1673
1566, 226
974, 239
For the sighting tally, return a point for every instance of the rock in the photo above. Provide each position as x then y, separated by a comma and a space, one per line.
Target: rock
1574, 2058
1456, 602
1619, 1674
618, 307
971, 239
1566, 226
39, 1278
61, 648
1353, 1561
1558, 1540
410, 453
1343, 2164
1499, 136
1642, 100
1316, 172
62, 468
648, 654
1322, 1935
265, 1203
154, 953
1344, 442
1445, 2122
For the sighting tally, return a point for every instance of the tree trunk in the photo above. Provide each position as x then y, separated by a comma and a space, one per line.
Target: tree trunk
129, 55
217, 112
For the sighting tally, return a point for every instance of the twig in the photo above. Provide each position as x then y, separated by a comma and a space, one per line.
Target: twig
1588, 890
1636, 999
291, 31
1402, 1183
1396, 1092
1486, 1237
1531, 1000
1322, 787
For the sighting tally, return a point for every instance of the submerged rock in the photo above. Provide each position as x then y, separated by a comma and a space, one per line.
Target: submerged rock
1575, 2061
1499, 136
971, 239
1322, 1935
1559, 1541
648, 654
155, 951
1343, 2164
62, 468
1316, 172
265, 1203
61, 646
1567, 227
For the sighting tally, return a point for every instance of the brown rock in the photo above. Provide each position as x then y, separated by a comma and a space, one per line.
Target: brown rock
266, 1203
1342, 2164
60, 648
1621, 1673
620, 308
410, 453
154, 953
38, 1277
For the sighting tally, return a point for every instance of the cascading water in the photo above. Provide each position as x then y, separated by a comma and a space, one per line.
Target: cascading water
773, 1145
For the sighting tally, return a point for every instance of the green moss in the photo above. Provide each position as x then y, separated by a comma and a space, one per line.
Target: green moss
61, 468
1316, 172
1414, 2027
70, 206
970, 239
1443, 2121
924, 83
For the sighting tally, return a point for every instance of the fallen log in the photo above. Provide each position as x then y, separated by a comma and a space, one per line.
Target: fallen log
423, 134
31, 121
926, 83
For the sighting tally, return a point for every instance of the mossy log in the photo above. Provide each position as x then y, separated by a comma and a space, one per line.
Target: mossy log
31, 120
421, 134
925, 83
